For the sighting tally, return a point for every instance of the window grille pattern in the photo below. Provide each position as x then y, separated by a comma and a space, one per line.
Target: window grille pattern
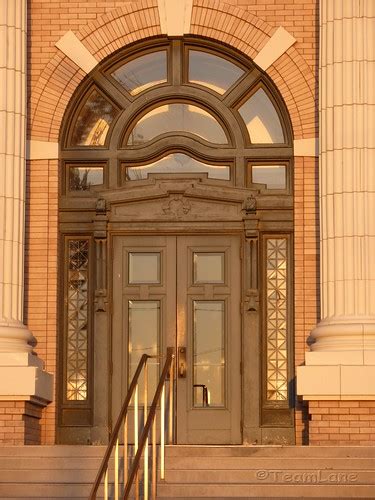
276, 289
77, 320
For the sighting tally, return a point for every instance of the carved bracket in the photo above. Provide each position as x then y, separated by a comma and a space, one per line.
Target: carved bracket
252, 300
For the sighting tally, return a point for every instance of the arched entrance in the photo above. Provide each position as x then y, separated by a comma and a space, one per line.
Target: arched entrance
176, 213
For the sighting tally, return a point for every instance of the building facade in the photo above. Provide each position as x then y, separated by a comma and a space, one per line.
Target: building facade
192, 174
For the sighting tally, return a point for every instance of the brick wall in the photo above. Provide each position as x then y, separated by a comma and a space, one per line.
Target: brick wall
20, 423
342, 423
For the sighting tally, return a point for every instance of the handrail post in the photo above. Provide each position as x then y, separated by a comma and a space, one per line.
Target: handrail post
162, 433
145, 460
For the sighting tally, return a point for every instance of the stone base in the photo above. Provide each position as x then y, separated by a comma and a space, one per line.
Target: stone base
20, 422
336, 381
22, 377
342, 423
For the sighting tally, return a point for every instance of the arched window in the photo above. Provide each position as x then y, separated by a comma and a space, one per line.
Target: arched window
166, 111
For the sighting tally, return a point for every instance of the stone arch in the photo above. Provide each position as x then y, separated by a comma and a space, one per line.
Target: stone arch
138, 20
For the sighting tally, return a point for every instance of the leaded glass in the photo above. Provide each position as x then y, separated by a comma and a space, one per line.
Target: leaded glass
276, 290
77, 316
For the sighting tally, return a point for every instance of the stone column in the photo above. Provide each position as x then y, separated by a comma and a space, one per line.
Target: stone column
21, 374
341, 363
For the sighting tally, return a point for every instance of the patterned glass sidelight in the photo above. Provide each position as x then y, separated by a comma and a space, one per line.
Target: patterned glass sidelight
77, 318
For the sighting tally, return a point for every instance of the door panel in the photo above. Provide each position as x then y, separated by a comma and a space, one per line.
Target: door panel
208, 293
184, 292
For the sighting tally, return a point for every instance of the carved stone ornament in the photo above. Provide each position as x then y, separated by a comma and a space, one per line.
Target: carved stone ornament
177, 206
249, 205
100, 206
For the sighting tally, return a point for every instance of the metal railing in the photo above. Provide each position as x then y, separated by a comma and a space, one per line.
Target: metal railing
130, 467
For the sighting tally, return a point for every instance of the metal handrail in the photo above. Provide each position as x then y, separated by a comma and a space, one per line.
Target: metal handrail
116, 430
143, 442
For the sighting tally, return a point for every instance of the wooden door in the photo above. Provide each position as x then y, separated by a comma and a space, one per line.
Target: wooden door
184, 292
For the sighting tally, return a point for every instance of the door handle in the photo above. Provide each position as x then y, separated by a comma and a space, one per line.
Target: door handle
182, 362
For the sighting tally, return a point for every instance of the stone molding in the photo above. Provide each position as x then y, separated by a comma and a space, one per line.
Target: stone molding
73, 48
276, 46
175, 16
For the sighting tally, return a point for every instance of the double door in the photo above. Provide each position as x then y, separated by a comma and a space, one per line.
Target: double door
182, 292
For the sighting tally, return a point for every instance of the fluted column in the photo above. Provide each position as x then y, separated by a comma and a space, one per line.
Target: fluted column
21, 372
344, 340
14, 336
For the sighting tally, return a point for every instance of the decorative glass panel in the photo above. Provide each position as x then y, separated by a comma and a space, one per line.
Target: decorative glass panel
142, 73
82, 178
209, 353
208, 267
177, 163
276, 285
77, 320
177, 117
274, 176
144, 331
212, 71
93, 122
144, 267
262, 120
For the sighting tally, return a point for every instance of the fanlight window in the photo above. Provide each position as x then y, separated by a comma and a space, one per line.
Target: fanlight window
177, 117
178, 163
143, 72
212, 71
261, 119
93, 121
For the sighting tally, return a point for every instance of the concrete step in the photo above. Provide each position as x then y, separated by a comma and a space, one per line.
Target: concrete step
268, 472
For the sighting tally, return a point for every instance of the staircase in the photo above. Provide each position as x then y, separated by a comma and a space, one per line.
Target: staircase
205, 472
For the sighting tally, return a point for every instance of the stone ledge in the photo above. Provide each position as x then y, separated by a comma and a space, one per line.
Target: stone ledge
338, 382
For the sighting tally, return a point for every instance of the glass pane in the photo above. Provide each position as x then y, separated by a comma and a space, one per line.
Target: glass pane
213, 72
177, 118
81, 178
144, 267
142, 73
274, 176
209, 355
77, 320
277, 309
93, 121
208, 267
177, 163
262, 120
144, 327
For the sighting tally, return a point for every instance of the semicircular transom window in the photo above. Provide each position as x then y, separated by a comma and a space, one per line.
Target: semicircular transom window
212, 71
177, 117
93, 121
143, 72
261, 119
177, 163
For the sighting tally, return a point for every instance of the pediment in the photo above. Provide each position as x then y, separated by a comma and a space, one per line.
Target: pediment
179, 200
